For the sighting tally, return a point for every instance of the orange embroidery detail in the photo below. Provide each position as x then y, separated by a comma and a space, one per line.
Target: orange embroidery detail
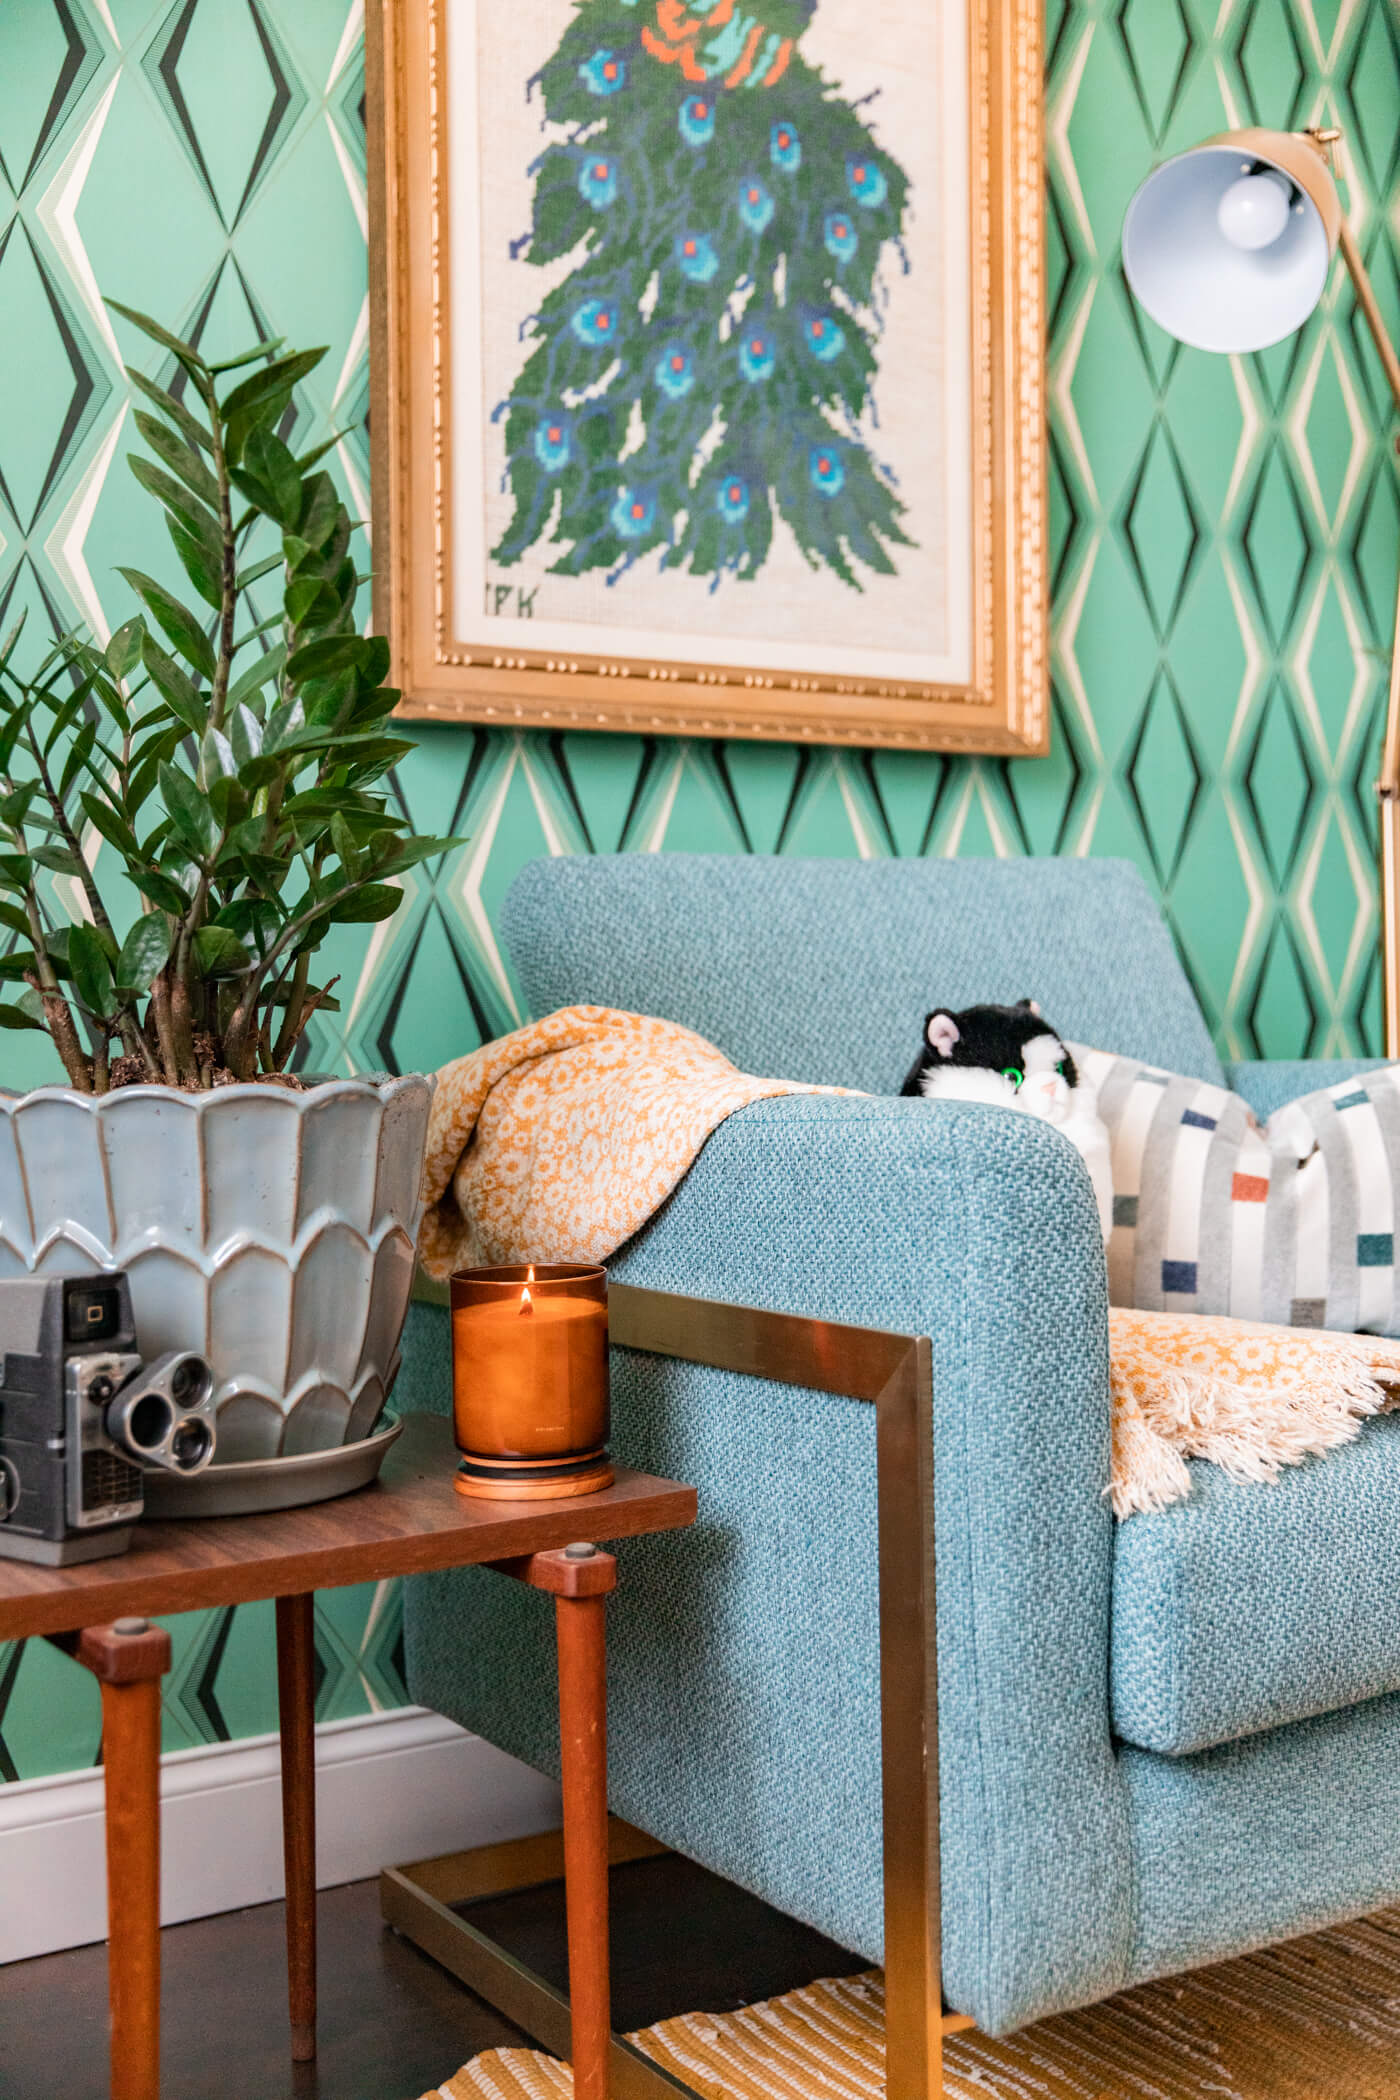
745, 59
681, 54
652, 43
780, 63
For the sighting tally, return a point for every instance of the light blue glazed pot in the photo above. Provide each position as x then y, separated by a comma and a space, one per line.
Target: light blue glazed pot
271, 1230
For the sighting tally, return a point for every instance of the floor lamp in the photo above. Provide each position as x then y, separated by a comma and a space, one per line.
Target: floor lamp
1228, 247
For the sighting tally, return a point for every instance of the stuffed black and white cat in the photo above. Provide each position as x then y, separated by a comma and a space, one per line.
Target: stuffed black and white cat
1011, 1057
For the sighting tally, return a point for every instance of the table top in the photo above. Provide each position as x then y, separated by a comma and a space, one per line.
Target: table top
409, 1522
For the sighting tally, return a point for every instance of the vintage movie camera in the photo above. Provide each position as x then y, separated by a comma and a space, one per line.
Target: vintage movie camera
81, 1413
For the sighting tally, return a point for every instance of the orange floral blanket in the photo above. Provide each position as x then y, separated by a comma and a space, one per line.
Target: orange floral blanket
1248, 1397
559, 1141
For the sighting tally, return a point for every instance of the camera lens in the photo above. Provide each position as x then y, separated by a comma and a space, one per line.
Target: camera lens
191, 1443
148, 1421
189, 1382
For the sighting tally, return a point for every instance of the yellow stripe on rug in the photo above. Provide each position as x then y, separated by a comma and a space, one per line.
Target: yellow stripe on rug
1317, 2019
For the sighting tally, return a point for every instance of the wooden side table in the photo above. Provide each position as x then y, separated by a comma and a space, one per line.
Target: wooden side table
410, 1523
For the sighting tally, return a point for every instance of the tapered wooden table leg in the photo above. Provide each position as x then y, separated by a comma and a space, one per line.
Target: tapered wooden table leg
131, 1755
583, 1735
129, 1658
580, 1579
296, 1698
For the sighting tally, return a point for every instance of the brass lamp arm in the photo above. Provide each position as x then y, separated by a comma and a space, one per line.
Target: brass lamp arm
1322, 139
1366, 300
1388, 784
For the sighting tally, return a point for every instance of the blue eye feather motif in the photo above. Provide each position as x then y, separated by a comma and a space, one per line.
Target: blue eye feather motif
719, 226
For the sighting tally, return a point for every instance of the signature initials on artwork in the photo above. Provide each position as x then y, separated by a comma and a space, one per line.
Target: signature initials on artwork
499, 595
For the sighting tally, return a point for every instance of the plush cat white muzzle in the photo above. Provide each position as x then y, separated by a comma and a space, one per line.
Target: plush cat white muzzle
1038, 1088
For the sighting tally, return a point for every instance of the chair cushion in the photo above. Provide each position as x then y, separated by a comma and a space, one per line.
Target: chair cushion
1249, 1606
824, 969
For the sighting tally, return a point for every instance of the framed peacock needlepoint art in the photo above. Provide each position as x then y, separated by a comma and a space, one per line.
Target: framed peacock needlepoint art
706, 346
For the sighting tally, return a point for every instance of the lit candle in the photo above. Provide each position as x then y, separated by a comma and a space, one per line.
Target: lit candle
530, 1380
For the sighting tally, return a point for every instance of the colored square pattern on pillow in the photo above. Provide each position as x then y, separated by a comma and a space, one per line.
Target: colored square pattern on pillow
1292, 1221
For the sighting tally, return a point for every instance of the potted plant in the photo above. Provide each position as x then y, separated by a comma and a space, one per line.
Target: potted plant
228, 772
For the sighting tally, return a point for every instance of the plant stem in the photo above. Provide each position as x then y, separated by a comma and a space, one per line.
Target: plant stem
59, 1021
180, 970
165, 1036
64, 1035
133, 1039
279, 1063
236, 1039
182, 1030
292, 1022
218, 692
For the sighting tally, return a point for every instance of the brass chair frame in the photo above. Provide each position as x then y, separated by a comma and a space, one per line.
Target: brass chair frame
892, 1372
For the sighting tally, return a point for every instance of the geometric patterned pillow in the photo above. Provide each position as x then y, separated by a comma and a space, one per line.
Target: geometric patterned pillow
1292, 1221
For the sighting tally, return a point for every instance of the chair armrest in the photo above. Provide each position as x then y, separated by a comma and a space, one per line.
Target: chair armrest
976, 1227
1266, 1084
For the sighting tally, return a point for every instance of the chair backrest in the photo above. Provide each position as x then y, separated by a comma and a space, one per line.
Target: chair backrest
824, 969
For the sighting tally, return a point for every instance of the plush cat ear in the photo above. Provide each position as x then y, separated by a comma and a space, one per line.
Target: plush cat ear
1029, 1006
942, 1033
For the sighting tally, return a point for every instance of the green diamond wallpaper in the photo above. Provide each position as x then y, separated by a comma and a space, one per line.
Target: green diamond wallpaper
1225, 539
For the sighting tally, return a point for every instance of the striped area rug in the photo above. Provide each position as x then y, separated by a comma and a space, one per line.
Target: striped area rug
1318, 2019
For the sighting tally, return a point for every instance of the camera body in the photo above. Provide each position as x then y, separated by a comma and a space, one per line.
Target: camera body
81, 1414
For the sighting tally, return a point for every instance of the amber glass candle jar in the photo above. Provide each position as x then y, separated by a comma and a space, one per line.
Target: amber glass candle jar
530, 1379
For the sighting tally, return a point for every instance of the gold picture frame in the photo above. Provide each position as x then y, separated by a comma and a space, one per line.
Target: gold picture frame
452, 668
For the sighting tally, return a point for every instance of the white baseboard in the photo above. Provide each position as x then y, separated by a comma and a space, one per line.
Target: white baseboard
389, 1788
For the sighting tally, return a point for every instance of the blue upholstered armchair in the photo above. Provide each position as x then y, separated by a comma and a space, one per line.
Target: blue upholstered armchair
1154, 1744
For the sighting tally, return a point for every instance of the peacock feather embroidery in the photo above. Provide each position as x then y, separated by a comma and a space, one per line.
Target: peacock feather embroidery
707, 366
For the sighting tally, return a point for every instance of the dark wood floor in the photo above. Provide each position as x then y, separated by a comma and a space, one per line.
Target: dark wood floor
393, 2025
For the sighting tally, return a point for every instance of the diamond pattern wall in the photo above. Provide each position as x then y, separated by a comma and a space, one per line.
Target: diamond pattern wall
1226, 533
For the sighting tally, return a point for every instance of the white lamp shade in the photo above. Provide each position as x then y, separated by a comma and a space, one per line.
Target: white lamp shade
1200, 249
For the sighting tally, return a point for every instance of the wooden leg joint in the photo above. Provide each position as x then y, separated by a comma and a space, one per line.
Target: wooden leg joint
573, 1571
129, 1651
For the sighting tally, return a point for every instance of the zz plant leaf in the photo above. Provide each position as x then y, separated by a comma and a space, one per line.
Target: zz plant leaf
219, 760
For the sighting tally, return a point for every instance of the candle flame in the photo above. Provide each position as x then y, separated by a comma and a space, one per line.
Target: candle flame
527, 1303
531, 1275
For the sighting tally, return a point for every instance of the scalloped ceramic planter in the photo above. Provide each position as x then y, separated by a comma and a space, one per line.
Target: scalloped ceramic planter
273, 1231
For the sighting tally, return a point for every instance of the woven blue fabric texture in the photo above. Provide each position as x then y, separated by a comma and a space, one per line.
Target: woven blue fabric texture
744, 1665
824, 970
1215, 1632
744, 1677
1261, 1840
1266, 1085
424, 1383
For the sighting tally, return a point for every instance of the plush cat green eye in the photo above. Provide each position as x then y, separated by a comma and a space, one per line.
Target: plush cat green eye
1013, 1073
